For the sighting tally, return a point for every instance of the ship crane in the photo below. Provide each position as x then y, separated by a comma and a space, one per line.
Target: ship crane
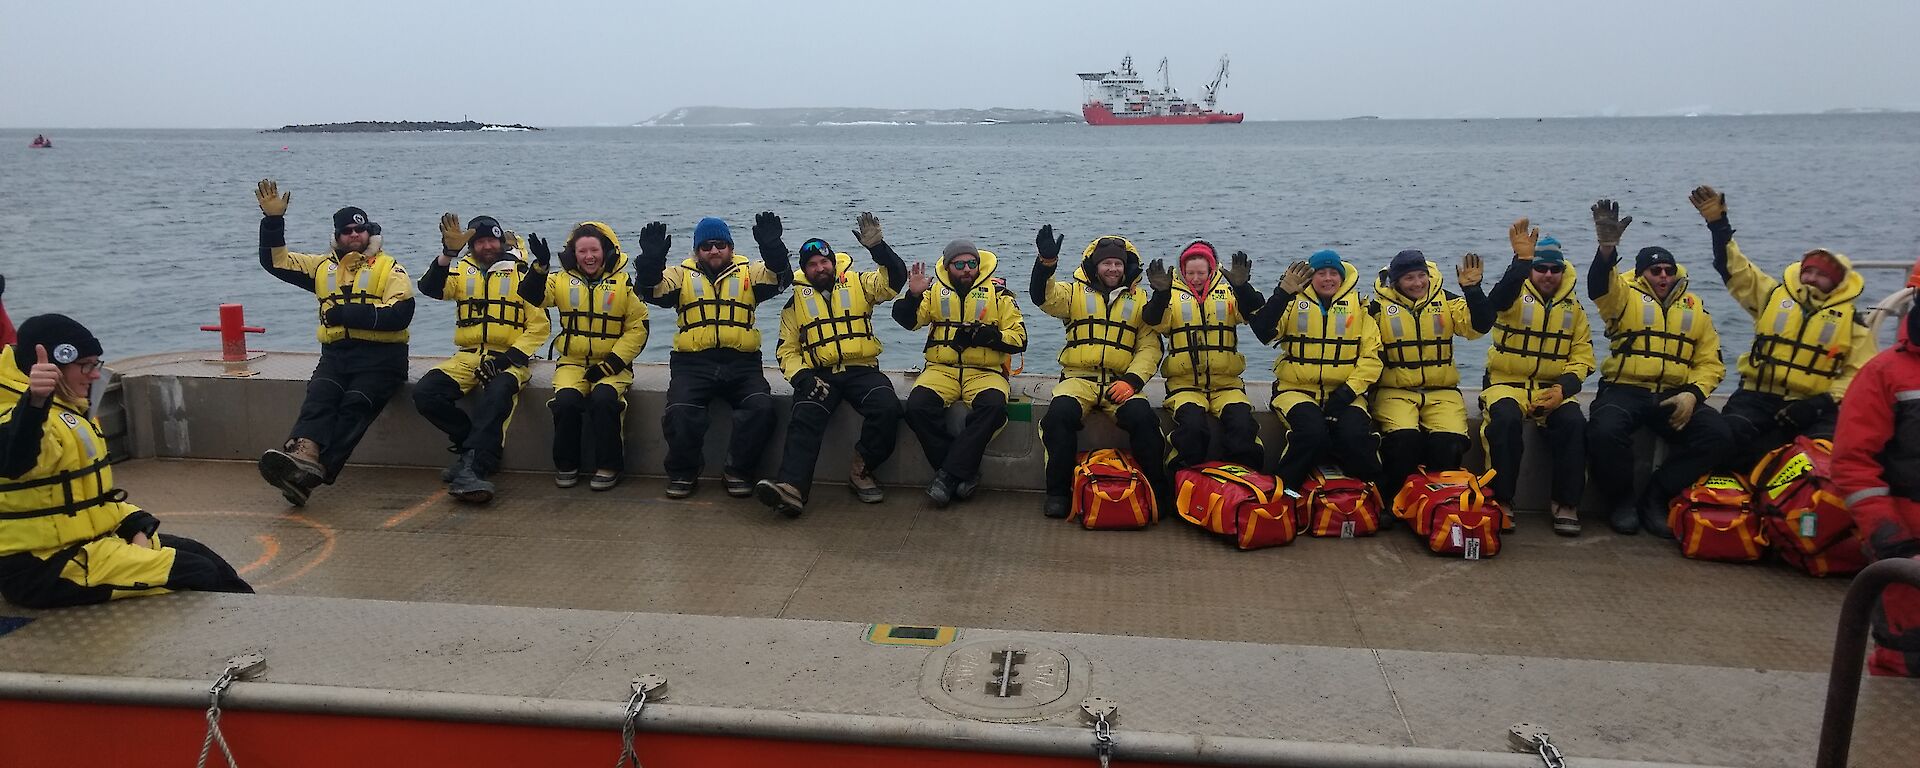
1219, 79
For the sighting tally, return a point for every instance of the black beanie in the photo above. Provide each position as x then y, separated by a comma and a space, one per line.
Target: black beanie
485, 226
1409, 260
349, 217
1650, 256
66, 340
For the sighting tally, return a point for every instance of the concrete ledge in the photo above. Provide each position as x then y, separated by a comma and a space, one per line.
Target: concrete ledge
183, 406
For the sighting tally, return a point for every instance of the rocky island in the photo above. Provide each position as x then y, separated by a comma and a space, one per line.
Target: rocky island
741, 116
380, 126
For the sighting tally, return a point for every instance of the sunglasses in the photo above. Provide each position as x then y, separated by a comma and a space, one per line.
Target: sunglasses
815, 246
715, 245
353, 229
1550, 268
1113, 242
1662, 270
964, 264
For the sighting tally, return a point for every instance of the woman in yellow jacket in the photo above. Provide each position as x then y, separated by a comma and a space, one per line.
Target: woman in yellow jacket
1199, 311
603, 327
1329, 357
1110, 353
1416, 402
1664, 361
497, 333
1809, 339
975, 325
67, 535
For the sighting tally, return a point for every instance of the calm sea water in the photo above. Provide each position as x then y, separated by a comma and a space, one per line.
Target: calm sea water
140, 234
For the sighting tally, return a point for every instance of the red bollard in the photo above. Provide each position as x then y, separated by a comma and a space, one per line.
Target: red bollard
233, 330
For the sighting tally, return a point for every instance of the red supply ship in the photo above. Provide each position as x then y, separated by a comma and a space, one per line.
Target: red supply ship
1122, 98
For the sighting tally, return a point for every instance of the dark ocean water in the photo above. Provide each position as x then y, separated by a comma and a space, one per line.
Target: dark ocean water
140, 234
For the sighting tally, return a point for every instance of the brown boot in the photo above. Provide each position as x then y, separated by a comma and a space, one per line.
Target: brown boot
864, 486
306, 456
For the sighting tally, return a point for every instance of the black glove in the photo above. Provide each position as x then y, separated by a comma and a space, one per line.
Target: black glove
336, 315
1339, 400
1048, 243
654, 242
980, 335
1802, 413
608, 367
498, 362
808, 385
542, 257
767, 229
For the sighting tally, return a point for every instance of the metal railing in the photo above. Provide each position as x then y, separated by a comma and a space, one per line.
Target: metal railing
1850, 654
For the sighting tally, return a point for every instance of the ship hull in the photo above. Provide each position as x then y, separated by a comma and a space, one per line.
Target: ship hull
1099, 114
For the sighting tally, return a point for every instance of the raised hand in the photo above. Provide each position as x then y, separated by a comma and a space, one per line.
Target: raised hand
1523, 235
1295, 280
1158, 277
655, 242
272, 201
868, 230
917, 280
1048, 244
1607, 224
44, 377
1471, 270
767, 228
1711, 204
1241, 270
453, 237
542, 257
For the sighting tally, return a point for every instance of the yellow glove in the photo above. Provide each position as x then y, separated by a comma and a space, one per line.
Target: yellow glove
452, 237
1296, 278
869, 232
1682, 405
1547, 399
1711, 205
1523, 235
1471, 270
272, 201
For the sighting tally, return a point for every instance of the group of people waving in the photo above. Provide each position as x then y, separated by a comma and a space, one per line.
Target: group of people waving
1366, 378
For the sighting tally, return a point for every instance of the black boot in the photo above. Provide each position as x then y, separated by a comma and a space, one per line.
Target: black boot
1653, 514
1058, 506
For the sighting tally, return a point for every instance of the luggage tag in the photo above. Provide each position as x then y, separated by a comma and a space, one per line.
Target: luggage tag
1455, 533
1346, 529
1472, 549
1807, 523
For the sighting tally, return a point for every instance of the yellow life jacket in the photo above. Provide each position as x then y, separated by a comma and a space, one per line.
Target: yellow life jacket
1416, 337
366, 283
716, 313
68, 497
1800, 342
489, 315
951, 308
1533, 338
1102, 332
836, 325
593, 310
1203, 338
1320, 345
1652, 344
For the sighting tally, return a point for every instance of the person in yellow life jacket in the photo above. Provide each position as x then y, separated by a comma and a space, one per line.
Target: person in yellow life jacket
366, 304
716, 349
1664, 360
1417, 402
975, 325
67, 535
603, 327
1199, 312
1541, 354
1329, 357
830, 353
1809, 339
497, 332
1110, 352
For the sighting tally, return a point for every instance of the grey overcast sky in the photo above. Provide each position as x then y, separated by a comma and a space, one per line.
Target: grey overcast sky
263, 63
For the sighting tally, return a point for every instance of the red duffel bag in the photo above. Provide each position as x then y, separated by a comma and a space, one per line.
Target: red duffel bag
1451, 511
1339, 506
1111, 493
1807, 520
1236, 501
1713, 519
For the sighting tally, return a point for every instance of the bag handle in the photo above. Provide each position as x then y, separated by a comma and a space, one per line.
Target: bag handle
1238, 479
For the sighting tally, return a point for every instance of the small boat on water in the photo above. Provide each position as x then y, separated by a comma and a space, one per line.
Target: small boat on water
41, 142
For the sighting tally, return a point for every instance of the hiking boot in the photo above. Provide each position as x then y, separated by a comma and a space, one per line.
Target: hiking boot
1057, 507
603, 480
1566, 519
780, 497
1653, 517
467, 485
306, 458
282, 469
566, 478
864, 486
941, 489
964, 490
1624, 520
459, 460
681, 487
736, 486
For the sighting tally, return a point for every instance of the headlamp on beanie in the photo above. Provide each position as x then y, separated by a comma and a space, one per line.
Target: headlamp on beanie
64, 338
486, 226
351, 219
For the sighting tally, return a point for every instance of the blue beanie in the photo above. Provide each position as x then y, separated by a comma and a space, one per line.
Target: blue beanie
1404, 262
1324, 259
1547, 251
709, 229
